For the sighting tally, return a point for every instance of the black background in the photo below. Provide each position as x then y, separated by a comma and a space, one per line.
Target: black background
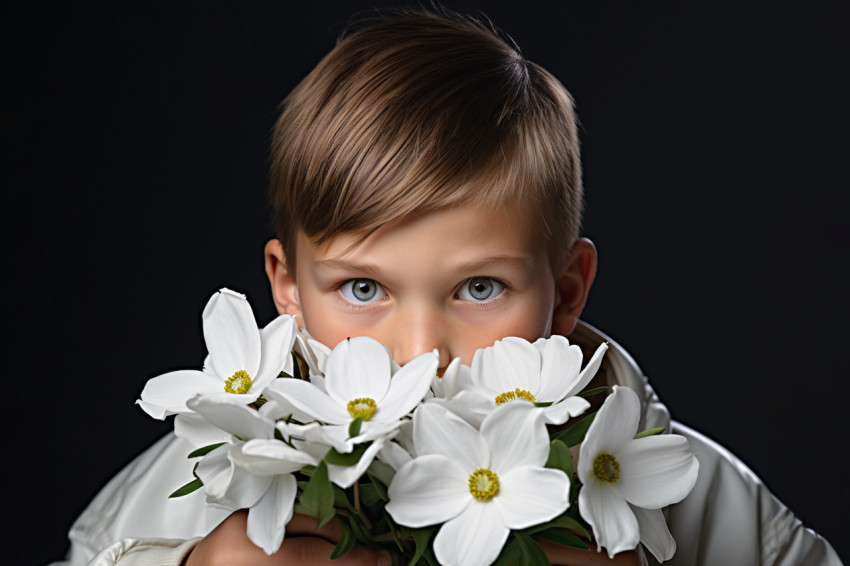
714, 148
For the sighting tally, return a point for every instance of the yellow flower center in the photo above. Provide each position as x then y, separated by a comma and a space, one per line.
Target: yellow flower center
239, 382
513, 395
362, 407
606, 468
483, 484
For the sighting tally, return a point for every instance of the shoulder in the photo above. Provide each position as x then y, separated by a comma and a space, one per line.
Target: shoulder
732, 518
135, 504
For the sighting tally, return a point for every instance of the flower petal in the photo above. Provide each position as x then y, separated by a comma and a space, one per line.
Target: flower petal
239, 420
560, 412
393, 454
276, 341
529, 496
654, 533
428, 490
614, 426
314, 353
436, 430
589, 370
167, 394
270, 458
614, 525
559, 370
279, 406
517, 436
311, 400
231, 334
198, 431
473, 538
226, 485
345, 476
657, 471
407, 387
214, 470
507, 365
268, 518
357, 367
245, 488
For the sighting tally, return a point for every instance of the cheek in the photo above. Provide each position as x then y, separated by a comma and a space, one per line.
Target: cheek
530, 322
318, 318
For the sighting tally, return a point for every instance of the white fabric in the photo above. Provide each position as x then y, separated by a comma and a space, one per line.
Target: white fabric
729, 518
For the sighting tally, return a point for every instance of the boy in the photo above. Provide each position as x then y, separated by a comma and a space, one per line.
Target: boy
427, 193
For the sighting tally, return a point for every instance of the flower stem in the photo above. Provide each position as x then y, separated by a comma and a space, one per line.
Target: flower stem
357, 508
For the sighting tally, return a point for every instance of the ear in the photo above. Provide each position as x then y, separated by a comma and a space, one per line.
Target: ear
573, 285
284, 288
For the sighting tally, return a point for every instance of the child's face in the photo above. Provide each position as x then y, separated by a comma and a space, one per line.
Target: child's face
456, 280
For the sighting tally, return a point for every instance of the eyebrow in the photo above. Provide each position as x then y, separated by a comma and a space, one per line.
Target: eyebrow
521, 262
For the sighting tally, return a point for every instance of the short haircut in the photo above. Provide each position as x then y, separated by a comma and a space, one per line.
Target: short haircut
413, 112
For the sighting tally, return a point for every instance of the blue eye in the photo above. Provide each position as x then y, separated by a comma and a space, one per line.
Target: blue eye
362, 290
480, 289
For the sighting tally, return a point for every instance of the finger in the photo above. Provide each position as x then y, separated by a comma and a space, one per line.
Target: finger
312, 551
565, 556
304, 525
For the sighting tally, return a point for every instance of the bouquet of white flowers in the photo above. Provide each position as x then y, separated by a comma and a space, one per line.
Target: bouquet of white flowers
471, 467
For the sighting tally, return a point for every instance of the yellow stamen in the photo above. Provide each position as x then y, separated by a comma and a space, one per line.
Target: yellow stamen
362, 407
513, 395
483, 484
606, 468
239, 382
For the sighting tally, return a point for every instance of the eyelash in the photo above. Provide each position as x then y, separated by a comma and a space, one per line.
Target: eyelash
483, 305
487, 303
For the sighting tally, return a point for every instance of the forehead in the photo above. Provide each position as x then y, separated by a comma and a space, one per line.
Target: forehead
457, 238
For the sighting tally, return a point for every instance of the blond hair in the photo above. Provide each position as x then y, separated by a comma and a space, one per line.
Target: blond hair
414, 112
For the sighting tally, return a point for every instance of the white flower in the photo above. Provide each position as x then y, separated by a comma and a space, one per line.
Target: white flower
359, 382
252, 471
243, 361
548, 371
479, 484
454, 379
626, 481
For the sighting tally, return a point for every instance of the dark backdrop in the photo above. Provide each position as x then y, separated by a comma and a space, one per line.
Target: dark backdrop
135, 145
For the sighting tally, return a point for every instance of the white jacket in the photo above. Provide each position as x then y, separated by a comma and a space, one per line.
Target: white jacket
730, 518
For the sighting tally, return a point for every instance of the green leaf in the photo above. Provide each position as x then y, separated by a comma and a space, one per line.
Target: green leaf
383, 472
394, 531
421, 537
318, 497
354, 427
350, 459
543, 403
296, 366
346, 540
429, 556
369, 494
379, 486
510, 554
560, 457
562, 537
575, 434
530, 552
341, 499
649, 432
592, 392
357, 529
562, 522
204, 450
193, 485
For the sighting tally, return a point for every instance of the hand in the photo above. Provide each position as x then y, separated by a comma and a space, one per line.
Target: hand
564, 556
229, 544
